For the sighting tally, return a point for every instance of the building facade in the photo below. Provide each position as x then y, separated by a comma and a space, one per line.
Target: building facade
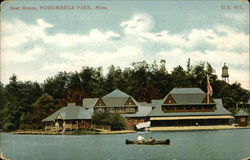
241, 118
125, 105
189, 107
181, 107
71, 117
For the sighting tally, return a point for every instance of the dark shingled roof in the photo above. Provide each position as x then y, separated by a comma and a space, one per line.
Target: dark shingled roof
187, 95
220, 110
89, 102
115, 101
188, 99
116, 98
70, 112
186, 91
241, 113
116, 93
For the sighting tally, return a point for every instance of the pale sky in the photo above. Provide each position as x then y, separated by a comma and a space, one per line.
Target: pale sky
36, 44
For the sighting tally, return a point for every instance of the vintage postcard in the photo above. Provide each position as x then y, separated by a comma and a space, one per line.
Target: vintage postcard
124, 80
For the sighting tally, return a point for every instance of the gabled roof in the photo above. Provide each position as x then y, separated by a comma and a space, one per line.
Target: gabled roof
220, 110
89, 102
70, 112
188, 98
187, 95
154, 102
116, 93
115, 101
116, 98
241, 113
186, 91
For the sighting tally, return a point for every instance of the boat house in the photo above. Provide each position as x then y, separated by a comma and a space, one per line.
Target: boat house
70, 117
125, 105
241, 118
189, 107
181, 107
79, 117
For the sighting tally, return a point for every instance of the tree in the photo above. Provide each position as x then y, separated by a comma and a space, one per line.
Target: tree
92, 81
114, 79
40, 109
116, 121
55, 86
25, 104
179, 77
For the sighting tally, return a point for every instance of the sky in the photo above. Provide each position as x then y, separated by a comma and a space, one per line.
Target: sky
36, 44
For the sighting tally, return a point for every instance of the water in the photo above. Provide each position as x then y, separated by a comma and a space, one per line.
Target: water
195, 145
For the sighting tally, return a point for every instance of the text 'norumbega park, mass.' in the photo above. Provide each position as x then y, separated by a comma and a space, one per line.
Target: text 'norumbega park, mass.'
57, 7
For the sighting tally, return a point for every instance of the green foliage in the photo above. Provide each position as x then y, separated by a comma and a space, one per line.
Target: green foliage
9, 126
40, 109
24, 104
55, 86
116, 121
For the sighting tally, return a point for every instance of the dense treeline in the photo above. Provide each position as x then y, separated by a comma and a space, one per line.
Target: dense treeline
24, 104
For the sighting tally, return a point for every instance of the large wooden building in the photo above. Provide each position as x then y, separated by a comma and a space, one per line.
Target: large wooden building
71, 117
121, 103
189, 107
79, 117
181, 107
241, 118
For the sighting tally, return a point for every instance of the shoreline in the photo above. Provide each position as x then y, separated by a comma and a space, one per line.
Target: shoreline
70, 132
152, 129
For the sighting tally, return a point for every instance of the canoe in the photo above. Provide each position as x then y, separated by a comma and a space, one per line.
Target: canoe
166, 142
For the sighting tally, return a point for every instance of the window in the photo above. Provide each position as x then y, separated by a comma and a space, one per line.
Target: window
169, 108
120, 110
198, 107
189, 107
130, 110
111, 110
207, 107
242, 119
180, 108
100, 109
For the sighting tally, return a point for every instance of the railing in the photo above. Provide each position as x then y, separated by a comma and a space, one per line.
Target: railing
100, 127
53, 128
75, 126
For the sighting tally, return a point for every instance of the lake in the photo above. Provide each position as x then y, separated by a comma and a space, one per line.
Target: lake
186, 145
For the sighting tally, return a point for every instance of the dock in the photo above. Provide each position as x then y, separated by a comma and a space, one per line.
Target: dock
37, 132
196, 128
100, 131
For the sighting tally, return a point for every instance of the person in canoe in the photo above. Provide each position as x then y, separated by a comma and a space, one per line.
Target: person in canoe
151, 139
140, 139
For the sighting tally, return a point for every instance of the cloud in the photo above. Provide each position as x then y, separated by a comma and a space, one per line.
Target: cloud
74, 61
137, 41
12, 56
69, 40
139, 23
16, 33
